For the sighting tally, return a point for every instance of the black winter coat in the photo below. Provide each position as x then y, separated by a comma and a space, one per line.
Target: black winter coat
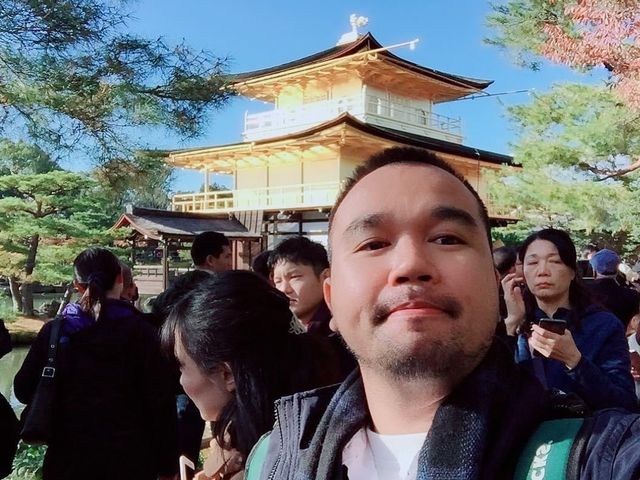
115, 415
8, 437
5, 340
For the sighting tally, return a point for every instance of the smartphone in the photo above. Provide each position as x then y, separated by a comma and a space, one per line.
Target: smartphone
187, 468
553, 325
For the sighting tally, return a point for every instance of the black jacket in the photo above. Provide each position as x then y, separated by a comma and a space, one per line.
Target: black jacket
5, 340
623, 302
115, 415
8, 436
478, 432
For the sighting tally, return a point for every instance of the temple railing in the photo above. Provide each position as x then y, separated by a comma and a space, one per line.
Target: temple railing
308, 195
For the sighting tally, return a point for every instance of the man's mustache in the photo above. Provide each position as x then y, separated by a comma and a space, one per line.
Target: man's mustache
448, 304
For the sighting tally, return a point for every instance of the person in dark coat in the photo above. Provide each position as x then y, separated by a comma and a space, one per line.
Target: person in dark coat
8, 420
115, 413
299, 267
5, 340
590, 357
231, 338
190, 423
623, 302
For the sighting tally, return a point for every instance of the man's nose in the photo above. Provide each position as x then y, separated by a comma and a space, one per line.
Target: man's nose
410, 262
285, 286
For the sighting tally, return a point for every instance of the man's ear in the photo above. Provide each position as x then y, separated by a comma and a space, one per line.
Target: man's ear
81, 289
325, 274
326, 290
227, 375
119, 278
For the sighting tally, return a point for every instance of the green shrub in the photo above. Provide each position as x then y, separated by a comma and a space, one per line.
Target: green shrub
6, 311
28, 462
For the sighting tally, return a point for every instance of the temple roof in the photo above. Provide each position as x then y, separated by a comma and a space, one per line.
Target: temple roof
337, 131
364, 44
161, 224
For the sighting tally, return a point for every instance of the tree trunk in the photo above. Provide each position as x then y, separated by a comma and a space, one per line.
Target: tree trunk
27, 286
30, 263
66, 298
27, 299
16, 296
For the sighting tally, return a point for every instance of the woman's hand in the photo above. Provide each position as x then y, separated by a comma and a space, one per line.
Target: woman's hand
514, 302
555, 346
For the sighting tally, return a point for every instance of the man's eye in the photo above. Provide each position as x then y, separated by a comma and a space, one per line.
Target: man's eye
448, 240
373, 245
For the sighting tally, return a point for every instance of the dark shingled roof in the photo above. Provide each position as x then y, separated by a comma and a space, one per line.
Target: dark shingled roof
366, 42
446, 147
157, 224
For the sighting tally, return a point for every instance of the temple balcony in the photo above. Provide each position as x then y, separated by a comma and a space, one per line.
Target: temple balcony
367, 107
287, 197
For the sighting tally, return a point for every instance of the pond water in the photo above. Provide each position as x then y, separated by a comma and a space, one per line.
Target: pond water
9, 366
39, 299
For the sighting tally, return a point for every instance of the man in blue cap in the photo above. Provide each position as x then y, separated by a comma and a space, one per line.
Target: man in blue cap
621, 301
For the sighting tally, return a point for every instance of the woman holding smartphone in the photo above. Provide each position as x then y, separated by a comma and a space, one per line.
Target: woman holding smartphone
233, 342
587, 354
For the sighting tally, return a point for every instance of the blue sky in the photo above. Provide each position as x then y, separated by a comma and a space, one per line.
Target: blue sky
257, 34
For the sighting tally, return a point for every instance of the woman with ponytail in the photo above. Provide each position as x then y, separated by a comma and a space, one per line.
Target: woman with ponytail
232, 340
115, 412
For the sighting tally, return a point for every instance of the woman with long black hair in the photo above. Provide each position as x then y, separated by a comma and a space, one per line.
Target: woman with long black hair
231, 337
591, 357
114, 412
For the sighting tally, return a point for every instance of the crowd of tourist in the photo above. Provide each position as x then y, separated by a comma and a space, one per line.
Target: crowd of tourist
410, 349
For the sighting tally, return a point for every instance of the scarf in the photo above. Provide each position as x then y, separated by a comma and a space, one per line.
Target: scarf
477, 433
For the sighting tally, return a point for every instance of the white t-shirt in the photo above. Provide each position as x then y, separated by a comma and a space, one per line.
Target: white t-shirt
371, 456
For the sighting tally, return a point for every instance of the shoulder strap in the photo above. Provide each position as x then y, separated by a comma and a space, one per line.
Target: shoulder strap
49, 370
257, 458
548, 452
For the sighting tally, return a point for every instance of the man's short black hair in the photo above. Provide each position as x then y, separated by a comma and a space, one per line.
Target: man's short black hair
406, 155
205, 244
163, 304
260, 264
302, 251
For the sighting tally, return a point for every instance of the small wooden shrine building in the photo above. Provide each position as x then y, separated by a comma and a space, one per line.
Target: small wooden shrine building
160, 241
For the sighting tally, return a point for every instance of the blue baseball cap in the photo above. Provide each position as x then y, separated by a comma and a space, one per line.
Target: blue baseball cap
605, 262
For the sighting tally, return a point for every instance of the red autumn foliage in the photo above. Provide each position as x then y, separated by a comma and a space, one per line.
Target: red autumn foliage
602, 32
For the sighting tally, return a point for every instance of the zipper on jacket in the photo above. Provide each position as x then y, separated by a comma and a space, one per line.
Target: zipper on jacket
275, 465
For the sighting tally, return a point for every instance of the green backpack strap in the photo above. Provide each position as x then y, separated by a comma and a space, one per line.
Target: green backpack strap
547, 454
257, 457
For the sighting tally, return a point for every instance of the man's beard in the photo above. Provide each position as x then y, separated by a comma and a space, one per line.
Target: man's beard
436, 358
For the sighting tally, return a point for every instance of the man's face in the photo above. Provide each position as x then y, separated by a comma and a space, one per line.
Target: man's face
412, 289
221, 263
300, 283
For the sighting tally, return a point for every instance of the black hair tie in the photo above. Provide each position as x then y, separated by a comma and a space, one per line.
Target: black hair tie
99, 278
